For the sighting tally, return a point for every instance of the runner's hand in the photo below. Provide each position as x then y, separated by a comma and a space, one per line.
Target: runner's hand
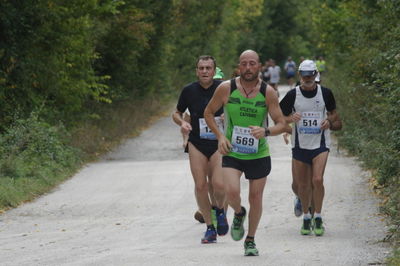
185, 127
286, 138
257, 132
224, 146
325, 124
296, 117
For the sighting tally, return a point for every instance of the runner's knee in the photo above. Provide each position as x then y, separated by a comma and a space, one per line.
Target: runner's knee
303, 182
201, 187
318, 182
218, 185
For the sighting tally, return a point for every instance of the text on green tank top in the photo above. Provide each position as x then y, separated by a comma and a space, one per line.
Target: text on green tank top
245, 112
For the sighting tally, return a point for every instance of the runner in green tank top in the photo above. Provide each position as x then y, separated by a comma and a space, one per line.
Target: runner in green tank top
247, 101
241, 112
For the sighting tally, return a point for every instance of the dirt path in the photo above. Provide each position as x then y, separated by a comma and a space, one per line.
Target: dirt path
135, 207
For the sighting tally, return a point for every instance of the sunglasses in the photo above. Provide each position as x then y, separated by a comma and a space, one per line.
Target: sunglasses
308, 73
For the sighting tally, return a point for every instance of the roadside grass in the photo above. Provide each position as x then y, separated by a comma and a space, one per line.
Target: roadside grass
35, 156
117, 122
394, 260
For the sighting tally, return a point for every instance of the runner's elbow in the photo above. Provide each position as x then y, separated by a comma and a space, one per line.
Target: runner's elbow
208, 113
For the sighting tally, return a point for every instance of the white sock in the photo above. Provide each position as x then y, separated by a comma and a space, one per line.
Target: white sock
317, 215
307, 216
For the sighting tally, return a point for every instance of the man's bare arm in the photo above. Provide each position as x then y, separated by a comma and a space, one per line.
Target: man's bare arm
219, 99
271, 100
334, 120
178, 119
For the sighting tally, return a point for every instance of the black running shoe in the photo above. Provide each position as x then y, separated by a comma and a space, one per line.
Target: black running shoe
306, 228
222, 223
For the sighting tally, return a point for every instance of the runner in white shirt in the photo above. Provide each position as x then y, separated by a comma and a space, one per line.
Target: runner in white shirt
274, 73
290, 68
312, 109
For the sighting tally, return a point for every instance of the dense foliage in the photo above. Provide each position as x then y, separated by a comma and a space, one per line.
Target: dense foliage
362, 41
65, 57
34, 156
75, 65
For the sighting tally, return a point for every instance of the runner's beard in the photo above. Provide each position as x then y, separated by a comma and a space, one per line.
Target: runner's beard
251, 78
308, 84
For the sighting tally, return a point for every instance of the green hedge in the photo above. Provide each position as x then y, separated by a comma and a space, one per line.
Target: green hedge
34, 157
361, 40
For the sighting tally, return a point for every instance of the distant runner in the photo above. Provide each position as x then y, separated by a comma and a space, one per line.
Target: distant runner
274, 73
290, 68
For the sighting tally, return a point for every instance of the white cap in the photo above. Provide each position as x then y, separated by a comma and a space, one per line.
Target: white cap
307, 68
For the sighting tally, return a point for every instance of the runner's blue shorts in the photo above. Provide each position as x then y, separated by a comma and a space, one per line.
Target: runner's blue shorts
307, 156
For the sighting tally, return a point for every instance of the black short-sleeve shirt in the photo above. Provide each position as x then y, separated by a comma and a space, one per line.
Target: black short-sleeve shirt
287, 103
195, 98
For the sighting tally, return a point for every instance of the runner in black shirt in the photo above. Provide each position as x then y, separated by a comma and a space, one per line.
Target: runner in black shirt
205, 160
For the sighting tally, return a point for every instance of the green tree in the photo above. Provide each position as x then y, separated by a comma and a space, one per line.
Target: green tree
47, 52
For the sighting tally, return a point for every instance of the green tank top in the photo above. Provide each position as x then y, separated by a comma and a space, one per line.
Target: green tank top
240, 113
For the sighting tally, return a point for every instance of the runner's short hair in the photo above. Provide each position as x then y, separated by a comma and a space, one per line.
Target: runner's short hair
206, 57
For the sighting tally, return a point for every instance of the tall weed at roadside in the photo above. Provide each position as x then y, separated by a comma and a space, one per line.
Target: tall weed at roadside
118, 121
34, 156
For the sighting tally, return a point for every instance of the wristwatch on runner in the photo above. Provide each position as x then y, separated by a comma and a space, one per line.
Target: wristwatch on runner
267, 132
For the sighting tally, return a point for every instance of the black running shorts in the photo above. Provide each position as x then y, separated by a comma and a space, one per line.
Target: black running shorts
206, 148
252, 169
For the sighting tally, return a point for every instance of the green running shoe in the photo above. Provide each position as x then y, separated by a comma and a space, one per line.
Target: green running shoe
250, 248
306, 228
319, 229
214, 216
237, 228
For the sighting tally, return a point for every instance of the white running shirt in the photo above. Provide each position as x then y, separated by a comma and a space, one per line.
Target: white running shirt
274, 74
308, 130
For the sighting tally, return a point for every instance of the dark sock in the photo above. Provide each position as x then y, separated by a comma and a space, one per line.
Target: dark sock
242, 212
219, 211
249, 238
210, 227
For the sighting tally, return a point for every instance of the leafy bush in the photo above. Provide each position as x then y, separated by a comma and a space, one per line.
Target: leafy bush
368, 84
33, 157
